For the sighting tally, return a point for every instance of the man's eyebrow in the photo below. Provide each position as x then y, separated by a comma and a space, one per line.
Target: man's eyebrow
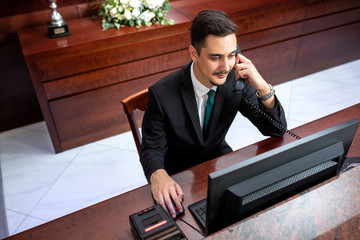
219, 55
215, 55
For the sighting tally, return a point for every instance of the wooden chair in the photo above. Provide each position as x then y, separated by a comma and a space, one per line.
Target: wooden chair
136, 101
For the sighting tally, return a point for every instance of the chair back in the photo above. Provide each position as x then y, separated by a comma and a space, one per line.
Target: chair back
136, 101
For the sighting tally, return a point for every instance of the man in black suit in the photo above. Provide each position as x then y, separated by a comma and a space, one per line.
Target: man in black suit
176, 134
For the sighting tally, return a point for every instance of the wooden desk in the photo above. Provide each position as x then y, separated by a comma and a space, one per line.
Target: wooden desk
80, 79
332, 210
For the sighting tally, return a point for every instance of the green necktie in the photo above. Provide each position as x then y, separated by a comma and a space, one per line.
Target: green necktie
209, 106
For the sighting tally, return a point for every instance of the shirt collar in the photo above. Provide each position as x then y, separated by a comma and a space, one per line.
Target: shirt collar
200, 90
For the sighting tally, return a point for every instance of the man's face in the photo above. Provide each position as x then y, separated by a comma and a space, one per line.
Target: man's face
216, 60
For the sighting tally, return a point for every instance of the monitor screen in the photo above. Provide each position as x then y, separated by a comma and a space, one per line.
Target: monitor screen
250, 186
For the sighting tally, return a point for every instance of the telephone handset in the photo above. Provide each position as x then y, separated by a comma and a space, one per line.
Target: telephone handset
239, 85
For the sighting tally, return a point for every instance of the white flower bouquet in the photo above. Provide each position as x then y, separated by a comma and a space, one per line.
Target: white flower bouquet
118, 13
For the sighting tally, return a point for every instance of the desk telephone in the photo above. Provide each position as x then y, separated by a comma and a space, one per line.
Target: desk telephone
239, 86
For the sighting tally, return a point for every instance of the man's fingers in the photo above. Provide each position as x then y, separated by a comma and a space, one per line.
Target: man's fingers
163, 188
242, 58
237, 59
241, 71
163, 198
179, 192
176, 200
180, 197
170, 207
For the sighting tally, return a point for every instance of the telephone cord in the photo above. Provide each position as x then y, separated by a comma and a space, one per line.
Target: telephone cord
274, 122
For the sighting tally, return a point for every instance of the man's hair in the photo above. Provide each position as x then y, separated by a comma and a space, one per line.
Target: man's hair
210, 22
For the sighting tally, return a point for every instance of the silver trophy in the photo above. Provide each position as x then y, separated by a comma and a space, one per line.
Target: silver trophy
57, 25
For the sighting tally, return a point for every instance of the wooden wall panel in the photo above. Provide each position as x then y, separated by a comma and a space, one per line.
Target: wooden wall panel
331, 47
86, 116
114, 54
275, 62
278, 53
117, 74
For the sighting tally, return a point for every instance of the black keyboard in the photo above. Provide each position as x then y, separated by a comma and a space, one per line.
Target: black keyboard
199, 211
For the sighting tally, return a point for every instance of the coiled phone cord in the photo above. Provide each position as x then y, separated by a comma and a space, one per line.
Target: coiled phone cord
274, 122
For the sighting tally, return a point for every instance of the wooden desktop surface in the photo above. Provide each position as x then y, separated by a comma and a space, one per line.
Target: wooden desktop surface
331, 210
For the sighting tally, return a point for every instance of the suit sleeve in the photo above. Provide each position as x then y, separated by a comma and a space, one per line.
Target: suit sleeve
262, 122
154, 143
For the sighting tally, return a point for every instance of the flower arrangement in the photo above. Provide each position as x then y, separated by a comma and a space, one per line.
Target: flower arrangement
118, 13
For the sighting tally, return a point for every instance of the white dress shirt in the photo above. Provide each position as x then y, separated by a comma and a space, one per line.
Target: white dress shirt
200, 95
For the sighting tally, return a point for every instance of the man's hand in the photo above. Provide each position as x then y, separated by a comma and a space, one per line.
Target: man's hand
163, 188
245, 69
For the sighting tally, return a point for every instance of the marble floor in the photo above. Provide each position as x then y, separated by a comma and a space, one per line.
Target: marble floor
40, 185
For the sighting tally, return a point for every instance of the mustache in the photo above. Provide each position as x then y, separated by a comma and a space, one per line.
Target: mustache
222, 72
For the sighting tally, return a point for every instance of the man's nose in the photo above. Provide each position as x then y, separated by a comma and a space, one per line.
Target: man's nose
225, 65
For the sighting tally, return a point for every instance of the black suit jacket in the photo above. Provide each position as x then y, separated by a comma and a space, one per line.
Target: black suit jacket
172, 138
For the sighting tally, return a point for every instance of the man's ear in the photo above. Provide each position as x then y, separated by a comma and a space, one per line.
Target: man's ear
193, 53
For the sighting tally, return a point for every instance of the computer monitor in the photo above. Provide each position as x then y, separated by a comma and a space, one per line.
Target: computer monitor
247, 187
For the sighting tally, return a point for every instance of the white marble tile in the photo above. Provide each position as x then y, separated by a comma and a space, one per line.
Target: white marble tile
123, 141
283, 93
242, 133
29, 166
20, 142
14, 220
317, 96
27, 223
39, 126
347, 73
27, 179
98, 173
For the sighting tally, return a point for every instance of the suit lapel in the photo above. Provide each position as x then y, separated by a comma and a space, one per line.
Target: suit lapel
188, 96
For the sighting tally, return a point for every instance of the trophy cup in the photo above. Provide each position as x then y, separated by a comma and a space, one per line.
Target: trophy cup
57, 26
